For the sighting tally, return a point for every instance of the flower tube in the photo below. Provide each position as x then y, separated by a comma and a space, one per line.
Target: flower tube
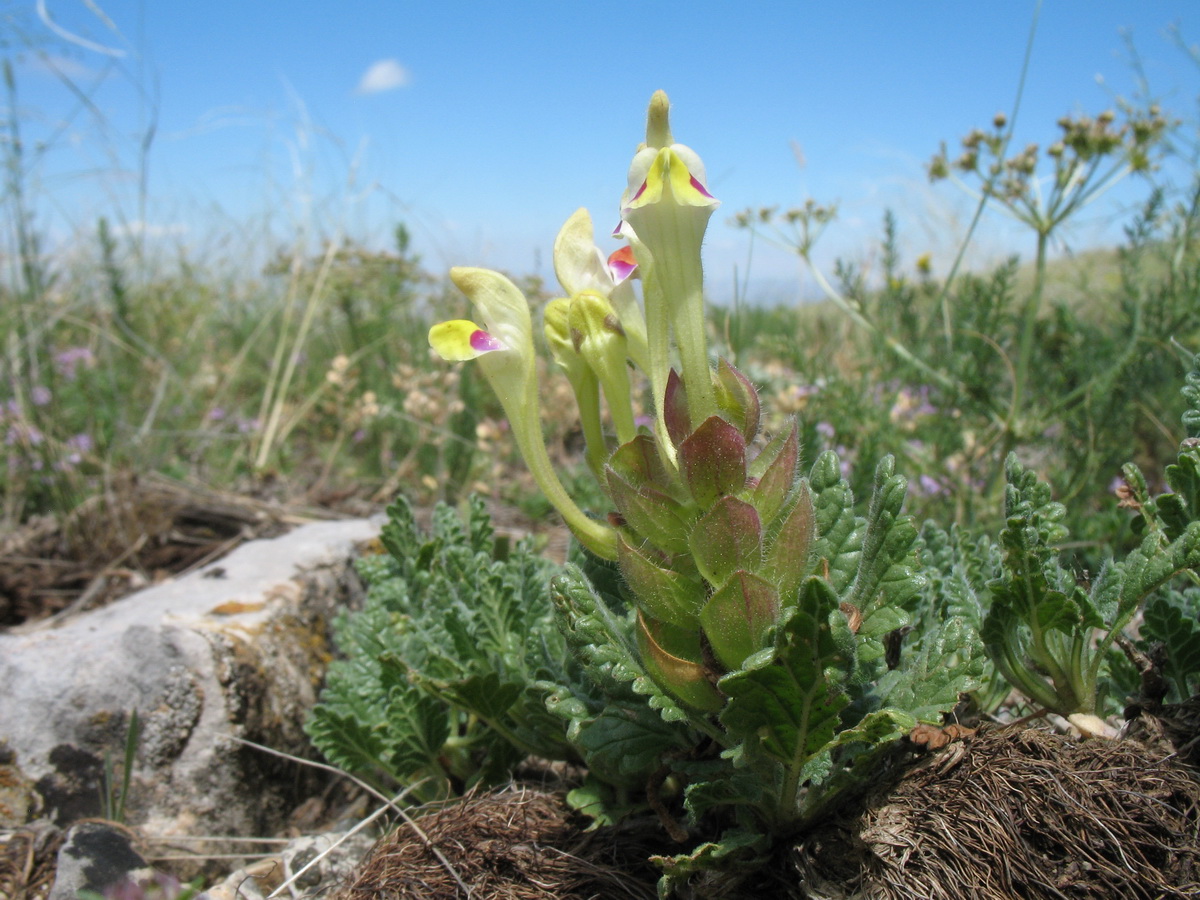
503, 347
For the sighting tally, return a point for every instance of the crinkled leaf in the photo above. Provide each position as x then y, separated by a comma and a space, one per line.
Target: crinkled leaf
627, 741
1173, 618
725, 788
420, 726
734, 845
788, 700
886, 579
605, 641
488, 695
447, 630
839, 530
947, 661
350, 743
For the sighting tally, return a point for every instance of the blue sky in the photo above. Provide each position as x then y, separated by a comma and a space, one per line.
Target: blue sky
483, 125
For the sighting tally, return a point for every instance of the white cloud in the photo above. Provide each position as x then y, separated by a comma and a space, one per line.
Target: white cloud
384, 75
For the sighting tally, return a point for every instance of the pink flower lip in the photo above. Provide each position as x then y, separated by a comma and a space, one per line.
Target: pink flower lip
622, 264
483, 342
698, 186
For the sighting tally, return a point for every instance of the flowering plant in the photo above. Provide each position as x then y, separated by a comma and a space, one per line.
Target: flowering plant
747, 603
735, 636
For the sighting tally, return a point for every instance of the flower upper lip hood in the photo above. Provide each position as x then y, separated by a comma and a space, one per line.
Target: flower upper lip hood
582, 268
662, 166
578, 262
503, 344
664, 213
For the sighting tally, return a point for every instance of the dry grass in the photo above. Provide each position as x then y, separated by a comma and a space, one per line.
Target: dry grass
1019, 814
515, 844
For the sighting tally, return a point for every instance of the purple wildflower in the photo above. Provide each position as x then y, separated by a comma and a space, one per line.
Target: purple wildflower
68, 361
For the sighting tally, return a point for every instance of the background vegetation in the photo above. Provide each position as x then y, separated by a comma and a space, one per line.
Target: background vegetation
309, 378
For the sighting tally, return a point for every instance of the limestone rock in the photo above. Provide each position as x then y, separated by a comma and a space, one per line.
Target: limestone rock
312, 865
234, 652
95, 856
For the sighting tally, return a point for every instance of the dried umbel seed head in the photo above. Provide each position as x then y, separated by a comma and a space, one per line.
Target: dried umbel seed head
967, 162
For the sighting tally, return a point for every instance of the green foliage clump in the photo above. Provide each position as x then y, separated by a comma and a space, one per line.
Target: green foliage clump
442, 670
1048, 630
805, 719
468, 658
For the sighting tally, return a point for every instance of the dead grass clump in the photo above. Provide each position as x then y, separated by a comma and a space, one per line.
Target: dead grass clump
514, 844
1026, 814
27, 861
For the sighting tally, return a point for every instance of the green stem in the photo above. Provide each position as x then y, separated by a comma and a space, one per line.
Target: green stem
863, 322
587, 398
527, 429
944, 296
1029, 317
790, 789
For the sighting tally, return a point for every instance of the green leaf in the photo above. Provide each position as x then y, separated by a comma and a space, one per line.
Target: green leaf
746, 787
947, 662
418, 726
597, 800
450, 640
627, 741
734, 845
712, 460
487, 695
664, 593
737, 399
1174, 619
775, 471
886, 579
787, 556
788, 702
839, 530
604, 641
350, 744
737, 617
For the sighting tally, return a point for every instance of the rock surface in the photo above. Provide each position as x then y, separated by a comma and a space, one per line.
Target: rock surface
311, 866
95, 856
233, 652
